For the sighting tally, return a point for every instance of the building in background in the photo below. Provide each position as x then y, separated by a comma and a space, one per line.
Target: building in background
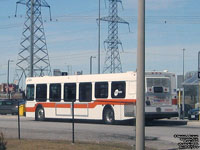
4, 88
14, 91
191, 88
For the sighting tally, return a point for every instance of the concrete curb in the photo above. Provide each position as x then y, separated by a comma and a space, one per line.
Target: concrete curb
167, 122
194, 123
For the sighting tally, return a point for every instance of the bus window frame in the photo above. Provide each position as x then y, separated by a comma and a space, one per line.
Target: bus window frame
41, 99
57, 99
32, 98
69, 100
80, 88
124, 91
97, 88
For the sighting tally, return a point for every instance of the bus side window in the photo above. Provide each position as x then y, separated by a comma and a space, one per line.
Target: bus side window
85, 92
118, 89
101, 90
55, 92
69, 92
41, 92
30, 92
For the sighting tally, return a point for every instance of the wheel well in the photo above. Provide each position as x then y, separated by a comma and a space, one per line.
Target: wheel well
107, 107
39, 106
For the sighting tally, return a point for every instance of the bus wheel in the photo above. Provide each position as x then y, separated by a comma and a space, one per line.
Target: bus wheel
39, 114
108, 116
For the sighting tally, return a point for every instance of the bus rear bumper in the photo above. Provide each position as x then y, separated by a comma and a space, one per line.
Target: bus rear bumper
160, 115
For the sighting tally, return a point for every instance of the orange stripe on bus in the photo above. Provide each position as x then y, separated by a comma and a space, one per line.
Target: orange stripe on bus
117, 100
89, 105
30, 109
63, 105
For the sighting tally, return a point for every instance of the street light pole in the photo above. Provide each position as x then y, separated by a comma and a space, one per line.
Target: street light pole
91, 63
183, 94
8, 94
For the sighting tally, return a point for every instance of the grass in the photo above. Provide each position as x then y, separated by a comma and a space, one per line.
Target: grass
2, 142
14, 144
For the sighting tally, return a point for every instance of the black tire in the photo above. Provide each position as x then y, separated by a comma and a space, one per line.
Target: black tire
39, 114
197, 118
108, 116
14, 113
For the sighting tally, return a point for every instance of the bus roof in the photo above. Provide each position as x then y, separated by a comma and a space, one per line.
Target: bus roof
83, 78
130, 75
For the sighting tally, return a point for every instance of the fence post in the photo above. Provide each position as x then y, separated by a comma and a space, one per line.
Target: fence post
18, 121
72, 121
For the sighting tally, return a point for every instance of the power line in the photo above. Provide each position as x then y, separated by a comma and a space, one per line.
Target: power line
192, 19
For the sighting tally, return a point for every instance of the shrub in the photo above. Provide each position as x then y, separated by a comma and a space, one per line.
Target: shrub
2, 142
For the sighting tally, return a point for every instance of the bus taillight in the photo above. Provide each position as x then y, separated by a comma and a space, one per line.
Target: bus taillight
149, 89
166, 90
174, 101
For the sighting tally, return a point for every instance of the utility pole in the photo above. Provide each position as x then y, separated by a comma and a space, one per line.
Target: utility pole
99, 39
69, 69
91, 63
32, 39
198, 101
183, 94
140, 103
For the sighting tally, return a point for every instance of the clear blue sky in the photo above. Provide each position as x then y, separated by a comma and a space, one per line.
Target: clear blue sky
171, 25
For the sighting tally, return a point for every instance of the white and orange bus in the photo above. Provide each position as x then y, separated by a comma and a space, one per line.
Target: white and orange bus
106, 97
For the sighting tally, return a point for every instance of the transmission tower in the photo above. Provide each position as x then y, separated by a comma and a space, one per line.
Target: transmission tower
112, 62
33, 59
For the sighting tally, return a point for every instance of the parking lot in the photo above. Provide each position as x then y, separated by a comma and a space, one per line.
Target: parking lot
158, 133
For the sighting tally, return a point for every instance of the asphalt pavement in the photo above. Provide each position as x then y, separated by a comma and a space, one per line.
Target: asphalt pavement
159, 134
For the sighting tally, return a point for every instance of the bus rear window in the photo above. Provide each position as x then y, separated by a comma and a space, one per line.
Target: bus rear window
158, 82
158, 90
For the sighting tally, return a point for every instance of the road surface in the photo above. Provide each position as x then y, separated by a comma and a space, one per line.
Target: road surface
159, 134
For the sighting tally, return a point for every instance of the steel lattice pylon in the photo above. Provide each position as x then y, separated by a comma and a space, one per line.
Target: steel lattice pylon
112, 62
41, 64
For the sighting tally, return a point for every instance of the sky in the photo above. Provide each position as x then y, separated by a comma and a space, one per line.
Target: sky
72, 35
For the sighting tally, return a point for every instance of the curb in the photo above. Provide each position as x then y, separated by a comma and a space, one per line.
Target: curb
194, 123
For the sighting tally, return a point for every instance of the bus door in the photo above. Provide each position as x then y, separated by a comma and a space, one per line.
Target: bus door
158, 91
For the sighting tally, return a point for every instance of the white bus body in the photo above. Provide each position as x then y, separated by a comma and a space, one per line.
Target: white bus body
105, 97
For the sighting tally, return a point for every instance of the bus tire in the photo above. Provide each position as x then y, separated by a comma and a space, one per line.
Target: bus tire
39, 114
108, 116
